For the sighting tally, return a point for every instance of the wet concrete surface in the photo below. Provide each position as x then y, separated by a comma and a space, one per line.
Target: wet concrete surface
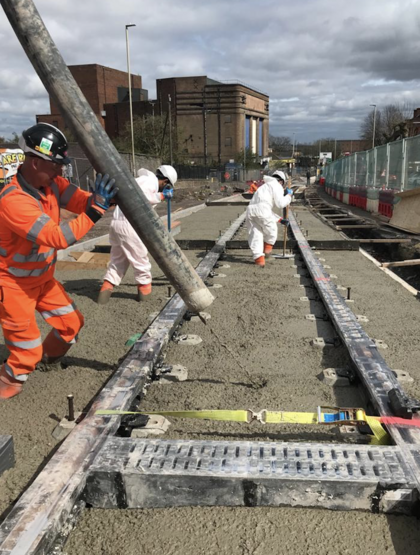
268, 363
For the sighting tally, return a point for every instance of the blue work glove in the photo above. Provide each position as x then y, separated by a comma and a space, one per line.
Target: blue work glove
284, 221
103, 191
289, 191
168, 193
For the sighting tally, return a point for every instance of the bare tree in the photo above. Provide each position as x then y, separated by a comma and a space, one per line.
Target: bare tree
151, 137
279, 143
392, 115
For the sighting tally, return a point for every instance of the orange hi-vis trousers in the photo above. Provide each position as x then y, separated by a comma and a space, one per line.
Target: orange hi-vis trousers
20, 330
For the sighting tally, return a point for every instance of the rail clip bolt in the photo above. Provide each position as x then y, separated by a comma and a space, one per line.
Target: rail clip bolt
169, 291
307, 233
348, 293
70, 400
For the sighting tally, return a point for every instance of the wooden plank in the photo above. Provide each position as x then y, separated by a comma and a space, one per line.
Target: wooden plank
85, 257
7, 457
37, 518
414, 262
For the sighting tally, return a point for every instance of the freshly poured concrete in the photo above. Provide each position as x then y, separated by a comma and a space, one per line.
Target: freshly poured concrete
266, 362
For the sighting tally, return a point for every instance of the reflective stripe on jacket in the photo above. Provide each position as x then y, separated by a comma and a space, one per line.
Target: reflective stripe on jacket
31, 232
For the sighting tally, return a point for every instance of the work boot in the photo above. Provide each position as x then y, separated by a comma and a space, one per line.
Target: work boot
267, 249
143, 290
9, 387
53, 351
105, 292
260, 261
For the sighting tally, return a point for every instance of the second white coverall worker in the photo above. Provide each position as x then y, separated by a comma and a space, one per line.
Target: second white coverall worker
260, 218
126, 246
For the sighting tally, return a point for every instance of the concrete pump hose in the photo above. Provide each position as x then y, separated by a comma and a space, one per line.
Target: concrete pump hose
60, 84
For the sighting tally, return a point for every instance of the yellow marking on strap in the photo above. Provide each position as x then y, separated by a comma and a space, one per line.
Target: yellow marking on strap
222, 415
380, 436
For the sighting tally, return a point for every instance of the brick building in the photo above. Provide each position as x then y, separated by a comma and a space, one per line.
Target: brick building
100, 85
215, 121
413, 124
355, 145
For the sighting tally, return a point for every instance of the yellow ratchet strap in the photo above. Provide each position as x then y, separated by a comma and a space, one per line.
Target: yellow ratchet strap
335, 417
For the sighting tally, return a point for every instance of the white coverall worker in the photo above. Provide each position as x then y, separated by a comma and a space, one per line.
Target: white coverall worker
126, 246
261, 220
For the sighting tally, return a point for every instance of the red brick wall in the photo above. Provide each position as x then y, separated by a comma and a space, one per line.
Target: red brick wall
100, 85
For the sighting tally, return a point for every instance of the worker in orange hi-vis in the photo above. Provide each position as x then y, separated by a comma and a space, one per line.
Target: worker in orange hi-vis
253, 187
30, 234
260, 218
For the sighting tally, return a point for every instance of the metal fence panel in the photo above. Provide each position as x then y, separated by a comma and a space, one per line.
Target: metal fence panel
395, 176
361, 169
412, 163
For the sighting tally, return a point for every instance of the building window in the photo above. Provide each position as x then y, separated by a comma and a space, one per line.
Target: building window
228, 141
228, 119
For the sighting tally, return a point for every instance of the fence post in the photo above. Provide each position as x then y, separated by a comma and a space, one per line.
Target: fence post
355, 169
388, 156
375, 159
403, 164
367, 168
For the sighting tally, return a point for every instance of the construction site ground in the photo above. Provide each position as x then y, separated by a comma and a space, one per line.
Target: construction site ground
256, 354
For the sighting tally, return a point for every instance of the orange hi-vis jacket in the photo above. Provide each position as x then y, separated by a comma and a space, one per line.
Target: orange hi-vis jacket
30, 229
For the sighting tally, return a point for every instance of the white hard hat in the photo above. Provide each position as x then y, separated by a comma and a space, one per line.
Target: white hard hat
279, 173
169, 172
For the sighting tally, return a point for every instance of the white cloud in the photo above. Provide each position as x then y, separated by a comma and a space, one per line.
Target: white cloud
322, 62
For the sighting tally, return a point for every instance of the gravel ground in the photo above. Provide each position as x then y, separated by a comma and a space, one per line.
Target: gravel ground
270, 364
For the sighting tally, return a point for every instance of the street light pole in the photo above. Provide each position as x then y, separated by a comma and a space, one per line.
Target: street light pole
129, 95
374, 124
170, 127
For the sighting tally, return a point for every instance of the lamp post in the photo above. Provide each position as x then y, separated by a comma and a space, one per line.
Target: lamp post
374, 124
170, 127
129, 94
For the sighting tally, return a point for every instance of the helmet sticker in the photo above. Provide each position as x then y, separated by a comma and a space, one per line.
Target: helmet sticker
45, 146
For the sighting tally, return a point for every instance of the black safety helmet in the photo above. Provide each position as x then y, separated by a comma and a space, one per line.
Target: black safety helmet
47, 142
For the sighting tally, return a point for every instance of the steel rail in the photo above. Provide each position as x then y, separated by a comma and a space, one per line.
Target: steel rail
36, 520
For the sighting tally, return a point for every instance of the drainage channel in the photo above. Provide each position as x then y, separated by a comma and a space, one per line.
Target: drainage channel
50, 506
396, 251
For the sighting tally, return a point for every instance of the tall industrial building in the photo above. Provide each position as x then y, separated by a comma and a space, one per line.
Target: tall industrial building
215, 121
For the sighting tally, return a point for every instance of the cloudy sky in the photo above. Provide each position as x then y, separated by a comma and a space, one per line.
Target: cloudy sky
322, 62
